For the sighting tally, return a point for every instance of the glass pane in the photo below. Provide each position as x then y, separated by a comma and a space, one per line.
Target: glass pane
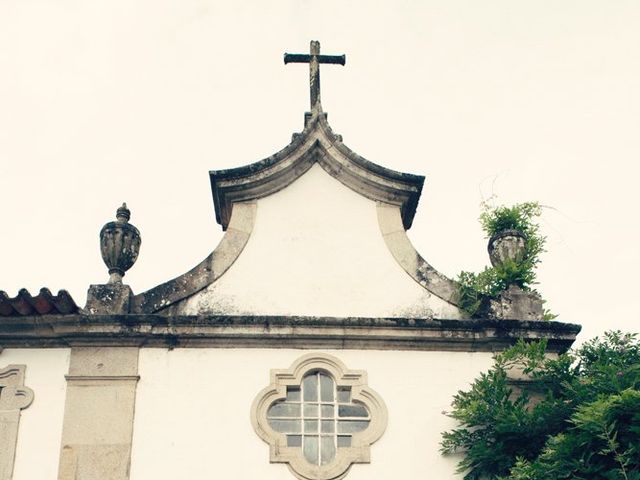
327, 411
285, 426
352, 411
344, 395
311, 426
326, 388
311, 449
310, 388
293, 394
352, 426
294, 440
311, 411
328, 426
284, 410
327, 450
344, 441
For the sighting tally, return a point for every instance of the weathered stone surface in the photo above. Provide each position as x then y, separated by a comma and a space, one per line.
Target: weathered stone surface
112, 298
314, 59
95, 462
9, 421
99, 408
515, 304
207, 271
398, 243
316, 144
14, 396
119, 244
282, 332
507, 245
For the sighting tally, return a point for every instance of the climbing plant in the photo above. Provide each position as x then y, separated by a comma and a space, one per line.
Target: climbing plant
473, 287
583, 424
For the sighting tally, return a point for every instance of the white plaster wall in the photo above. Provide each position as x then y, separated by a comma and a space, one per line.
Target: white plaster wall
40, 429
316, 249
193, 412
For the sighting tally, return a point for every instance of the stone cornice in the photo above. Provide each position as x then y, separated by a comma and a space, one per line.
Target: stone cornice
279, 332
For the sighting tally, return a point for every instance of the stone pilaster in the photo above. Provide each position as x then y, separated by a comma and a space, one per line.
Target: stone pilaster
98, 417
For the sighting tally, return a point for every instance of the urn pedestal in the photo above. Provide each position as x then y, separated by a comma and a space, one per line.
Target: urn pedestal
514, 304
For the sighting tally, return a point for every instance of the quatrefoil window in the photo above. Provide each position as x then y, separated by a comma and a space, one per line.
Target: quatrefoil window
319, 417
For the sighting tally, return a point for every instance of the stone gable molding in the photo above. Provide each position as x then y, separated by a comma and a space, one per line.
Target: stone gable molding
345, 457
207, 271
14, 397
317, 143
398, 243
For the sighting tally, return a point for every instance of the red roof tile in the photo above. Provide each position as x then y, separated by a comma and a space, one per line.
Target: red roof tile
42, 304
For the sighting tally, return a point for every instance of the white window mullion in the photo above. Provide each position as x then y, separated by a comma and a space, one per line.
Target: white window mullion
319, 415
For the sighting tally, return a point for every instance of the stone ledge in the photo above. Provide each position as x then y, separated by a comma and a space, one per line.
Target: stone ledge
280, 332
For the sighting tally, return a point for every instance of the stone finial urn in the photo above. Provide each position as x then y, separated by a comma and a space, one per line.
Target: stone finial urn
507, 245
119, 244
514, 302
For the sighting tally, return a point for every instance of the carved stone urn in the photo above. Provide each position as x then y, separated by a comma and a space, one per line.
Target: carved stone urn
119, 244
507, 245
514, 302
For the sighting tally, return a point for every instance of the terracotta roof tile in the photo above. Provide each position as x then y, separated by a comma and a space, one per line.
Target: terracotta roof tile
42, 304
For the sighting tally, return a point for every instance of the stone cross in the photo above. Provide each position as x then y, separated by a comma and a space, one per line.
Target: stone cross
314, 59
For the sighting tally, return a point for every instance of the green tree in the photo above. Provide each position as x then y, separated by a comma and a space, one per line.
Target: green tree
579, 419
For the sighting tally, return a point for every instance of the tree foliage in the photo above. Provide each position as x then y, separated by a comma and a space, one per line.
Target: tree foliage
579, 419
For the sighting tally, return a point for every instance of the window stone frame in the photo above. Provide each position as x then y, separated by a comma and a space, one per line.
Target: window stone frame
358, 452
14, 397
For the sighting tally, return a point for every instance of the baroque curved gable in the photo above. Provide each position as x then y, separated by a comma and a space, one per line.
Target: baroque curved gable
237, 191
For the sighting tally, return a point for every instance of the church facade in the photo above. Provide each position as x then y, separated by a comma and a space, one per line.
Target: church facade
314, 342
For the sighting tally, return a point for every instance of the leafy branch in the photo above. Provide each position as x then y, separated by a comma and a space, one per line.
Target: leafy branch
584, 422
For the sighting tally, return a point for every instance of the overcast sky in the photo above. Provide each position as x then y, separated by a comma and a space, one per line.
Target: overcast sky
117, 100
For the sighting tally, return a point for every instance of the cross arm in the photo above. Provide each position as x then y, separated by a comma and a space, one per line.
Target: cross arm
296, 58
304, 58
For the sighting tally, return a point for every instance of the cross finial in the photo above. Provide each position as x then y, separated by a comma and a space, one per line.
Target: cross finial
314, 59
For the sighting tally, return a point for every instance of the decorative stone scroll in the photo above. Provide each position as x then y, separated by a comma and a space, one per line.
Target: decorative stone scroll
14, 396
319, 418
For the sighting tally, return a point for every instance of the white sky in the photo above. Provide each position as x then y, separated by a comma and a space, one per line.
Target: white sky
118, 100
